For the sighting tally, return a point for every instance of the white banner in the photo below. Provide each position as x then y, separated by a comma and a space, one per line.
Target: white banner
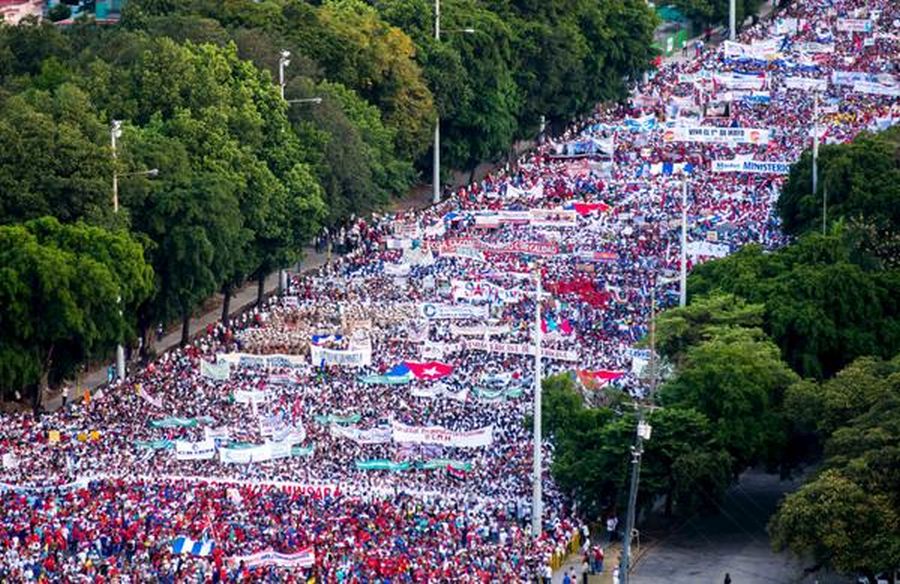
751, 166
479, 330
442, 436
373, 436
439, 390
445, 311
360, 357
854, 25
252, 360
875, 88
706, 248
480, 291
302, 559
806, 84
765, 50
394, 243
553, 218
715, 135
738, 81
258, 453
203, 450
242, 396
518, 349
813, 47
219, 371
396, 269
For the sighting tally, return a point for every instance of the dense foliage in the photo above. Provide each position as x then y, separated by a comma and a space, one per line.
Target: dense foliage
244, 178
847, 517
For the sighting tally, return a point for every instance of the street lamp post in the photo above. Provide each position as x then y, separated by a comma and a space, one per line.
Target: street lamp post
537, 487
436, 176
732, 20
115, 132
643, 433
283, 61
682, 296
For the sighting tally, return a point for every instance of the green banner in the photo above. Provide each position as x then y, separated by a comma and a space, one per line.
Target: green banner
329, 419
384, 379
493, 395
173, 422
303, 450
436, 463
382, 464
155, 444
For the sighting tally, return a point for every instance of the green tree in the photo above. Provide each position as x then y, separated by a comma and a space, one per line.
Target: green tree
54, 158
737, 380
67, 293
861, 180
825, 304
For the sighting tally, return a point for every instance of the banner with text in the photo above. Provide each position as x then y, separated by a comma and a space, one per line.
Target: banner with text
442, 436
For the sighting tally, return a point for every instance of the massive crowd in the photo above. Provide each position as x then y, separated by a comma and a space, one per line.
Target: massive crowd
369, 425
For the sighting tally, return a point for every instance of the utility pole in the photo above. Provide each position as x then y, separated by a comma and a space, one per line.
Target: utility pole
732, 20
643, 433
815, 152
682, 296
114, 133
436, 177
824, 205
283, 61
537, 487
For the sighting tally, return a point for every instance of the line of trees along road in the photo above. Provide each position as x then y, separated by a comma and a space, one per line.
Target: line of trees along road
780, 359
244, 179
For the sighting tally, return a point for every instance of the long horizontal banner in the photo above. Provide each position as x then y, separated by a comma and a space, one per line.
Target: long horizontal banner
258, 453
372, 436
218, 371
252, 360
479, 330
442, 436
806, 83
738, 81
716, 135
853, 25
875, 88
553, 218
751, 166
518, 349
446, 311
382, 464
203, 450
767, 49
479, 291
540, 248
175, 422
440, 390
344, 358
303, 559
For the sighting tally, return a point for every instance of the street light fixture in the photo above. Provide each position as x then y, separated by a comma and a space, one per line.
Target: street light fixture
283, 61
436, 177
315, 100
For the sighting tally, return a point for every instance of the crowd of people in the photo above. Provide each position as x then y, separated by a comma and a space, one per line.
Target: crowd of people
369, 425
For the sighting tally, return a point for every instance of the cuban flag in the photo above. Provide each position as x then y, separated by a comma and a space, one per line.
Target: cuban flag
427, 369
185, 545
320, 339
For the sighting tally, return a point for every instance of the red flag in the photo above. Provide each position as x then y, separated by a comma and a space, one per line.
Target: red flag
429, 369
599, 378
587, 208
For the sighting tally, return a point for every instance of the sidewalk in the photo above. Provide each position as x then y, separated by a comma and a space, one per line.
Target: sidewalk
611, 554
241, 300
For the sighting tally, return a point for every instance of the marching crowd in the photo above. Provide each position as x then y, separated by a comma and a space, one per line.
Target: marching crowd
369, 426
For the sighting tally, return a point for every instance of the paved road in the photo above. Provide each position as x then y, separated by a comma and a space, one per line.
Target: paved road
734, 541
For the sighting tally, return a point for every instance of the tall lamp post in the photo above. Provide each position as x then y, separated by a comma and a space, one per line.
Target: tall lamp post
436, 171
643, 433
682, 276
283, 61
537, 502
115, 132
